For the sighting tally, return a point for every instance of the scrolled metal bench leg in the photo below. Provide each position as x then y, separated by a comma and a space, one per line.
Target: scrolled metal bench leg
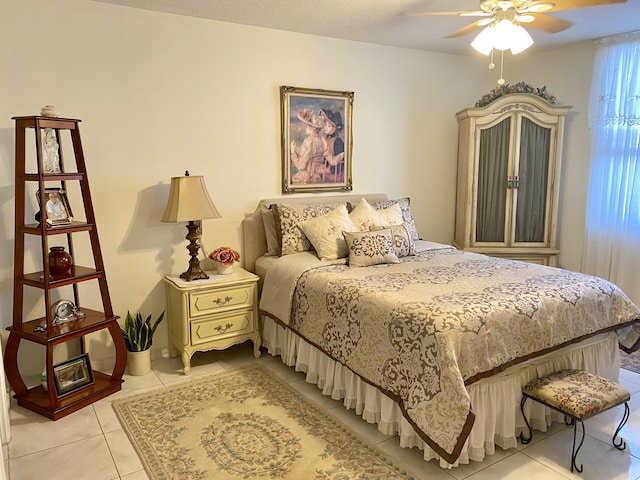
524, 440
621, 444
574, 450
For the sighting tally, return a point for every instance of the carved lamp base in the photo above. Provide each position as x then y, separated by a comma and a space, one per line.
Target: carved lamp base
194, 272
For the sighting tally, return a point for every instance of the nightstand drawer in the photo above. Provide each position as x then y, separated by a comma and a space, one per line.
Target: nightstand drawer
236, 323
207, 302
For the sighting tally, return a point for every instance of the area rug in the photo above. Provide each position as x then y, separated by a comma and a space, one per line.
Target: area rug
243, 424
630, 361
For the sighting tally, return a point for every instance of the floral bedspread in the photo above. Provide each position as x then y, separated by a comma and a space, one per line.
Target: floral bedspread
423, 329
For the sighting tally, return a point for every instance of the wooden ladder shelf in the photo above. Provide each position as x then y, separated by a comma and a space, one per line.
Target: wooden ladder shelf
46, 330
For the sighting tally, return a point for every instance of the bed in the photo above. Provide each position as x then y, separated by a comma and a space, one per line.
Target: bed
431, 343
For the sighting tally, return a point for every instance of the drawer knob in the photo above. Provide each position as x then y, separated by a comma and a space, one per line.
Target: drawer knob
223, 328
223, 301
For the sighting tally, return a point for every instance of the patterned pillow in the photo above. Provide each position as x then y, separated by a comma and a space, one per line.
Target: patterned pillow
288, 217
325, 233
370, 248
403, 244
406, 213
364, 216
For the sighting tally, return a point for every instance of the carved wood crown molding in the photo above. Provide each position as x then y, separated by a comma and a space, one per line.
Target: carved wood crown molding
517, 106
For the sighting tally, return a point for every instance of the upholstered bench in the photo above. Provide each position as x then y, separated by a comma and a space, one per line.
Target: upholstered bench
578, 395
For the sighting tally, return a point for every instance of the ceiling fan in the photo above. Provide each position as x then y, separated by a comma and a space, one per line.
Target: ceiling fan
530, 12
502, 21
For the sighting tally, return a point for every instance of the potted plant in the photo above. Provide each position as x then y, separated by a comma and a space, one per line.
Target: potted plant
138, 335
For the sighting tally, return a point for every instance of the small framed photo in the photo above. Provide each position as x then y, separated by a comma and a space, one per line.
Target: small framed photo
72, 375
57, 210
316, 140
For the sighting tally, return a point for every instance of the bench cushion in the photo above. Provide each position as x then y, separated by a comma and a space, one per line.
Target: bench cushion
577, 393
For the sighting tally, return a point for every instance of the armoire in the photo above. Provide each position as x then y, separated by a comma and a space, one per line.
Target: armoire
509, 159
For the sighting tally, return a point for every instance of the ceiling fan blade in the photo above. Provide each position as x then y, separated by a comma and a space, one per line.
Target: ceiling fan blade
469, 13
478, 13
467, 29
548, 23
526, 18
485, 21
534, 7
571, 4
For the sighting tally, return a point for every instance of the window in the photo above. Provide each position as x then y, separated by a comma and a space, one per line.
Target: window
613, 206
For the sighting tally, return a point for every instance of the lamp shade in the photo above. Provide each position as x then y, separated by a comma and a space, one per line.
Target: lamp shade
189, 200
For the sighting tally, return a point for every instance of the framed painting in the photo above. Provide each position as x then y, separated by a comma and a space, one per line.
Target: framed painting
316, 140
72, 375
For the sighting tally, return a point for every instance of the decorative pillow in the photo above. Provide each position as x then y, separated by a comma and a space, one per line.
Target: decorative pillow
370, 248
403, 244
325, 233
288, 217
392, 215
364, 216
273, 247
406, 213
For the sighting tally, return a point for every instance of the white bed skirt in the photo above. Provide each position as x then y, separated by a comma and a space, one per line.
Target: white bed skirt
495, 400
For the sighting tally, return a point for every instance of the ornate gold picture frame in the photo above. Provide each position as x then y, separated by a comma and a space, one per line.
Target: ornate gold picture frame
316, 140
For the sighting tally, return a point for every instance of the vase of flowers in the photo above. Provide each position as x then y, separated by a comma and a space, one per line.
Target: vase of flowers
224, 258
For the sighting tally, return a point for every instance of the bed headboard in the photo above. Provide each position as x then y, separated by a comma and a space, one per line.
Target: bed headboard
253, 236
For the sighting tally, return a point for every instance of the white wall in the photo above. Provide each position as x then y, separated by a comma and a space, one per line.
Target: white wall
158, 94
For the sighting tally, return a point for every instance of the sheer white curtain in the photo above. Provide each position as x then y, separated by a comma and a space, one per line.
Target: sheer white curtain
612, 243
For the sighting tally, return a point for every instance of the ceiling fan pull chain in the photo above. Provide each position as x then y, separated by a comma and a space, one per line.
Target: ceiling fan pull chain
501, 80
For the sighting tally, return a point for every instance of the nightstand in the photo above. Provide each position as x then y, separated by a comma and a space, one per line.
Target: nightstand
212, 314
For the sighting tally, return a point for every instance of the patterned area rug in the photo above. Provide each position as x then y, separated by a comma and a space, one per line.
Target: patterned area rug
630, 361
246, 423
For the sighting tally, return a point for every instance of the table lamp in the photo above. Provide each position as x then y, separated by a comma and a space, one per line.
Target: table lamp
189, 202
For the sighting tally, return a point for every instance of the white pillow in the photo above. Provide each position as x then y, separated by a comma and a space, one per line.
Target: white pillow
325, 233
370, 248
364, 216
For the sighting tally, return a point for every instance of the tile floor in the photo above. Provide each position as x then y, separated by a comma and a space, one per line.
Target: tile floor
90, 444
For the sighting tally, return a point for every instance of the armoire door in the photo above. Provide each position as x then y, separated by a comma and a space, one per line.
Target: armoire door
492, 201
530, 184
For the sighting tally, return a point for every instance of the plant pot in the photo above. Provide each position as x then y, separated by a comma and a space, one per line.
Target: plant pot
224, 269
139, 363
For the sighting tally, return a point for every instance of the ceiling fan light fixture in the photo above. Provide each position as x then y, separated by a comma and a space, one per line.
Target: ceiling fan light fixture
520, 41
502, 36
483, 42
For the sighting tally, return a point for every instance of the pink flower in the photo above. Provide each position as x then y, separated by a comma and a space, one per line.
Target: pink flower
225, 255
